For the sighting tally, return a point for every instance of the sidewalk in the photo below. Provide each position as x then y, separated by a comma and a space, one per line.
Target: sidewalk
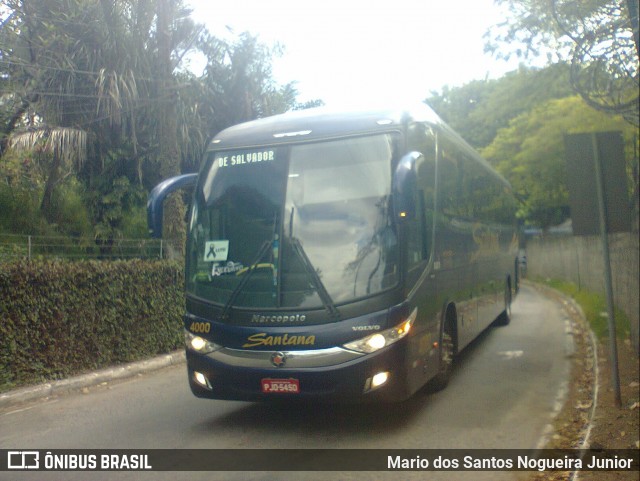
123, 371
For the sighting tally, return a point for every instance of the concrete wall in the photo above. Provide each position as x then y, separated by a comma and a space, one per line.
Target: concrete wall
579, 259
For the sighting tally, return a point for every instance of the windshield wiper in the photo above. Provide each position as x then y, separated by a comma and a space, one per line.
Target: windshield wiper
238, 289
327, 302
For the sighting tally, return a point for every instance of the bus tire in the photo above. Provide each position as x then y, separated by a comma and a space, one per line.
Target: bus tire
505, 316
447, 352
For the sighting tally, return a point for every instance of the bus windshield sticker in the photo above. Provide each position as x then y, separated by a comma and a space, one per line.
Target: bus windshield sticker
229, 268
216, 251
242, 158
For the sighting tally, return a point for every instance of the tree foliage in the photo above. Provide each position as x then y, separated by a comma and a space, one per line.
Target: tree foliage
598, 39
518, 123
96, 90
480, 108
62, 318
530, 153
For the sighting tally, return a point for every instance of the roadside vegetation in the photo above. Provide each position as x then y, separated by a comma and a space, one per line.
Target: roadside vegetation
99, 103
63, 318
594, 306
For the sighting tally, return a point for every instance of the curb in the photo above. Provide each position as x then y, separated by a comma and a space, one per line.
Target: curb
124, 371
586, 433
569, 304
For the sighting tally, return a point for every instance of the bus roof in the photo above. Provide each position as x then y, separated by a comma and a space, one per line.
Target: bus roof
317, 123
324, 123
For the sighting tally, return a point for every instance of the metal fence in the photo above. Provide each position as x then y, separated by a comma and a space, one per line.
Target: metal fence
75, 248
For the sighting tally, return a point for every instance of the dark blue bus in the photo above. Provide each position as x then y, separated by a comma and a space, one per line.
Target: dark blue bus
341, 256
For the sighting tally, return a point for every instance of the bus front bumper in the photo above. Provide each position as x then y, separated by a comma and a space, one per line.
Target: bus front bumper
378, 377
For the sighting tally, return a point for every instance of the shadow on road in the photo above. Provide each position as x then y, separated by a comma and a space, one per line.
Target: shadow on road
333, 419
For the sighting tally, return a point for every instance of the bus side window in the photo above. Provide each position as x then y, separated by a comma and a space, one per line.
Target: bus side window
420, 230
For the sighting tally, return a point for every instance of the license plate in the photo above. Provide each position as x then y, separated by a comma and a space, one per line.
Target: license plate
280, 386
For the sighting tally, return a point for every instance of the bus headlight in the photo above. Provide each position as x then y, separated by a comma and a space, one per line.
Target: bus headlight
199, 344
381, 339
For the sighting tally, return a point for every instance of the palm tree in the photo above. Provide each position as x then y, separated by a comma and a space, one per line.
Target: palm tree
66, 147
88, 70
102, 79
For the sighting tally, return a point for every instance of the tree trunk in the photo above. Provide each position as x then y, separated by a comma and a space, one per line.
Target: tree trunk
169, 151
46, 206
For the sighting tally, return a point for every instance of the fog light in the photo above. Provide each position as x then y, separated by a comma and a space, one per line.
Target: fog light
379, 379
201, 379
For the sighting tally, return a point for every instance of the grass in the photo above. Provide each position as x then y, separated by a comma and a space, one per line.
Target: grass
594, 307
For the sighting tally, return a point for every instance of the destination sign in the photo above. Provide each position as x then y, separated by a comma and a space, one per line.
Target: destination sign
242, 158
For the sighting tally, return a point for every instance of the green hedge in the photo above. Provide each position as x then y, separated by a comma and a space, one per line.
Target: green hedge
62, 318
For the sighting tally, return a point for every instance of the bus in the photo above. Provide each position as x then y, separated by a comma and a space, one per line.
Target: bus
340, 256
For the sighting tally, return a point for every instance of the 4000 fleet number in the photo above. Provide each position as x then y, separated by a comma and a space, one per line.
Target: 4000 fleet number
200, 327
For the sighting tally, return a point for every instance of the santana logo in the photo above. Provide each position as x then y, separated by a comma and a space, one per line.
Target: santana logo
261, 339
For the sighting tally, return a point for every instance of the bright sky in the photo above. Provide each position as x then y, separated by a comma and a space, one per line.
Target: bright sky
365, 51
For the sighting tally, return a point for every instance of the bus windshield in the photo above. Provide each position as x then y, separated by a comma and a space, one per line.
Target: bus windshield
296, 226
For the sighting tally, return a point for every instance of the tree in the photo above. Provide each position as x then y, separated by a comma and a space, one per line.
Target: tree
49, 127
90, 69
65, 146
167, 125
597, 39
239, 81
530, 154
480, 108
107, 76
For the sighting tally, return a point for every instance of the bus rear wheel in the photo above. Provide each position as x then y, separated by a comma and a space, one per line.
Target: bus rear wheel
505, 316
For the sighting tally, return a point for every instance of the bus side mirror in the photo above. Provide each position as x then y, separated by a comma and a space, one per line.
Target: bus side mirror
157, 196
404, 187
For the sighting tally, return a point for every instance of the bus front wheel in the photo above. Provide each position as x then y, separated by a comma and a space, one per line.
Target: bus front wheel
447, 353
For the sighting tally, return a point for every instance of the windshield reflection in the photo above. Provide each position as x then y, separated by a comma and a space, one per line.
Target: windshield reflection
330, 198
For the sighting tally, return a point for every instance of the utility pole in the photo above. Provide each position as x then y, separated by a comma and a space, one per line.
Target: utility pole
596, 180
604, 236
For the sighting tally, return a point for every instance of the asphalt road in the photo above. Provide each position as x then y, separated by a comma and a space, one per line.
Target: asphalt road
505, 389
